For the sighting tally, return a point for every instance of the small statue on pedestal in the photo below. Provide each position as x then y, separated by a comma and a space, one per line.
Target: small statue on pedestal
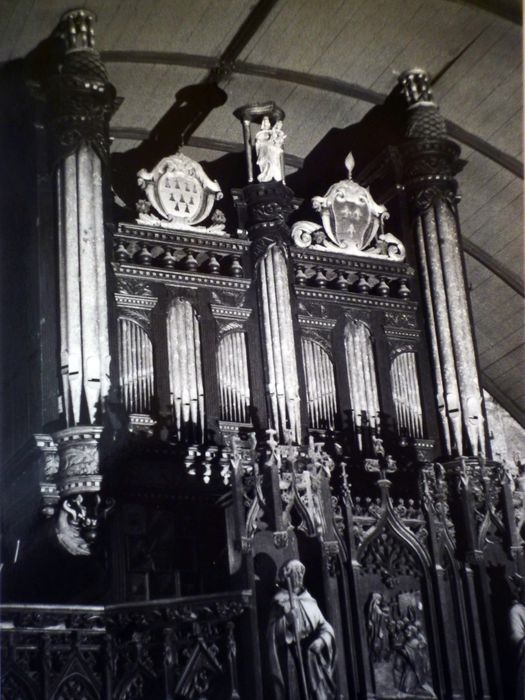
301, 642
269, 149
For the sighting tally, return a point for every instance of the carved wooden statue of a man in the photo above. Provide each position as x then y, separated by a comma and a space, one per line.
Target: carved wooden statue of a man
301, 642
517, 633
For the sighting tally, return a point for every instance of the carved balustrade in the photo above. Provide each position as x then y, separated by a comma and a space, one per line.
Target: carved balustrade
138, 246
183, 648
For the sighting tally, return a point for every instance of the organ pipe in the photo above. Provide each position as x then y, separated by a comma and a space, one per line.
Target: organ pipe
434, 344
185, 366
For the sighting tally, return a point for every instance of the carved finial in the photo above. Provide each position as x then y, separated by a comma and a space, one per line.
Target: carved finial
349, 164
415, 86
76, 30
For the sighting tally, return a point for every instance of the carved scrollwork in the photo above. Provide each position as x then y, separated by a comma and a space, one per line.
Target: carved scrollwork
352, 223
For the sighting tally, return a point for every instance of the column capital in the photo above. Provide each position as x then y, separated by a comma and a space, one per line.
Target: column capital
263, 210
430, 159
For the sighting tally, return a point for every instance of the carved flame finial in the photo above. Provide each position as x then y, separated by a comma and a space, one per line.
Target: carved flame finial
76, 30
349, 164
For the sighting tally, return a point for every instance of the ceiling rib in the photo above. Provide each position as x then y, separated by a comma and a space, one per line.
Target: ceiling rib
508, 404
506, 275
319, 82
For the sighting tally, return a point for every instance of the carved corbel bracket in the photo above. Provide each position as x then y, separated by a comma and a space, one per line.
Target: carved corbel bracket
71, 487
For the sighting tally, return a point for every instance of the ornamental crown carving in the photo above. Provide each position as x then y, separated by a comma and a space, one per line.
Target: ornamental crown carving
180, 191
352, 223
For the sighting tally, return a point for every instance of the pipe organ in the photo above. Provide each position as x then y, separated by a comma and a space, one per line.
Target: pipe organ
285, 396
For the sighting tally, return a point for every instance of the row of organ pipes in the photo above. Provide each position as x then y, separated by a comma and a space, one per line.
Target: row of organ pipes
282, 384
84, 335
234, 385
184, 348
320, 385
458, 392
361, 379
405, 390
186, 382
136, 366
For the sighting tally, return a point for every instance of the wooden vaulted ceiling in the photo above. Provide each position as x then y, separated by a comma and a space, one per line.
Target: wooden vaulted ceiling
326, 64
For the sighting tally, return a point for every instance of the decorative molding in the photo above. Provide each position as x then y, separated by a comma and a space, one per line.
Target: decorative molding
394, 270
316, 323
197, 241
350, 299
132, 301
190, 280
230, 312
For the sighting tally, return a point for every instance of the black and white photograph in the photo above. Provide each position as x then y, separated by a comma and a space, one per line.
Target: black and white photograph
262, 369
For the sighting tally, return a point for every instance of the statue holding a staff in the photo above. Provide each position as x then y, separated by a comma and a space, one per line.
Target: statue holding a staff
301, 642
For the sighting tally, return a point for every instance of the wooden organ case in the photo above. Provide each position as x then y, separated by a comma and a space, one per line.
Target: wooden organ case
271, 435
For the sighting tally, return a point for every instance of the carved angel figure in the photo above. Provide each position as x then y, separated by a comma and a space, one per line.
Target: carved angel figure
301, 642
